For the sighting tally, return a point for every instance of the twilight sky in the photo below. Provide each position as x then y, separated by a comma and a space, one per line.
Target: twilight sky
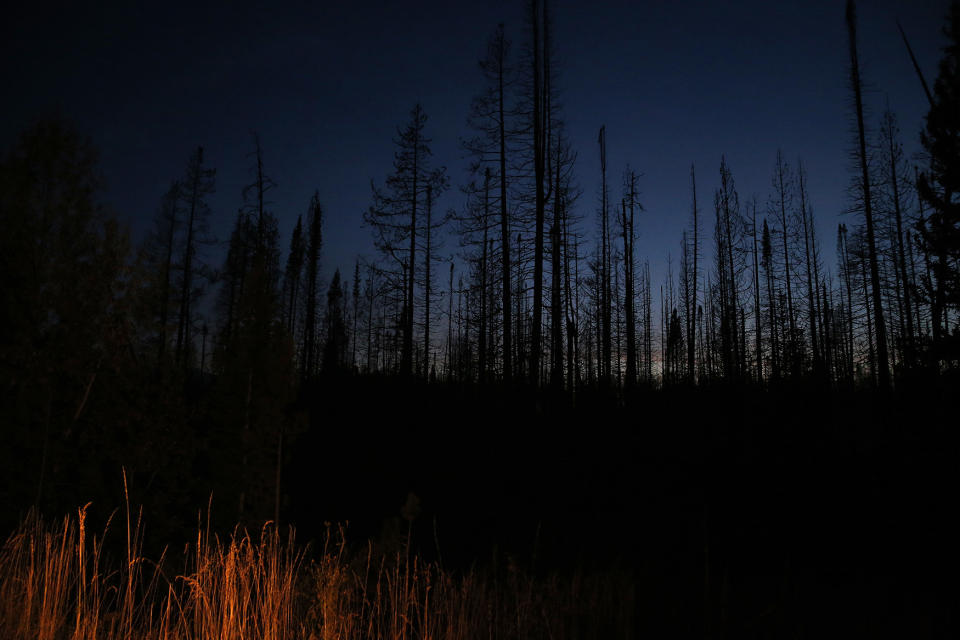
327, 83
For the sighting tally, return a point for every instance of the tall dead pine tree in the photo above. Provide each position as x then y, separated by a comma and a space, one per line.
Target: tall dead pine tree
883, 371
393, 216
629, 277
197, 184
604, 270
309, 358
540, 115
692, 312
757, 319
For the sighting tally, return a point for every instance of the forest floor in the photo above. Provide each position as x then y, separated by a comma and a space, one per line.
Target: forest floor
723, 512
799, 506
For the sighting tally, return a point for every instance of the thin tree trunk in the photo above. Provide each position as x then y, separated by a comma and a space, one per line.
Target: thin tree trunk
758, 323
482, 356
866, 309
406, 355
556, 332
691, 342
901, 254
605, 337
171, 202
370, 298
631, 373
619, 337
849, 283
733, 303
772, 301
183, 325
569, 309
504, 225
882, 364
427, 276
912, 284
539, 163
811, 300
787, 275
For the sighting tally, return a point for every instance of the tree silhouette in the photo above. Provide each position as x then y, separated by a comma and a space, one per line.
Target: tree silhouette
432, 227
539, 124
65, 315
291, 277
335, 346
309, 355
939, 189
781, 207
809, 253
394, 220
767, 257
863, 185
691, 254
846, 268
198, 183
158, 254
475, 227
757, 315
357, 297
255, 364
564, 199
603, 366
895, 184
728, 233
490, 120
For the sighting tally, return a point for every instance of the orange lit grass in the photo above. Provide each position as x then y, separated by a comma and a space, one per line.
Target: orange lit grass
55, 584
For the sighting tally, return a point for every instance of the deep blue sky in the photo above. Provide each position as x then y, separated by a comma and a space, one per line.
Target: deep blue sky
327, 83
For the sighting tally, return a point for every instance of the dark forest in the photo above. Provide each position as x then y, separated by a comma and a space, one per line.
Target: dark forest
497, 425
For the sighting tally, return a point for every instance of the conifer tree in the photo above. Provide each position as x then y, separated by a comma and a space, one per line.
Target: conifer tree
939, 189
335, 346
490, 148
394, 219
198, 183
309, 356
158, 254
291, 278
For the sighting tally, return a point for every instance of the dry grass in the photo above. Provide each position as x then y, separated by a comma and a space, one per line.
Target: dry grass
54, 585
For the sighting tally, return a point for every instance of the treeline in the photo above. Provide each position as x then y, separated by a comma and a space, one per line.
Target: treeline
539, 298
534, 294
121, 352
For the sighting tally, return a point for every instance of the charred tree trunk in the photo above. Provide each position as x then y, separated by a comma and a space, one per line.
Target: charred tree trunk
883, 372
427, 277
811, 298
605, 311
758, 322
556, 332
183, 324
691, 330
631, 373
540, 177
504, 224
